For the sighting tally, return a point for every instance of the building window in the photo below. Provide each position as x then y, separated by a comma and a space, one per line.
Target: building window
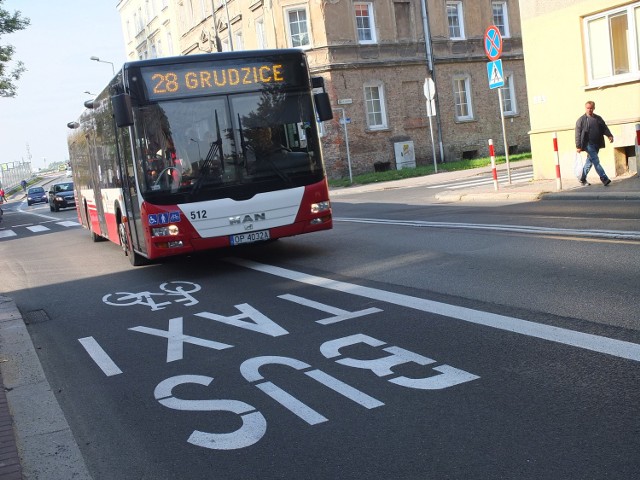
260, 34
170, 43
298, 28
455, 20
462, 97
374, 105
238, 43
509, 104
365, 24
501, 18
612, 45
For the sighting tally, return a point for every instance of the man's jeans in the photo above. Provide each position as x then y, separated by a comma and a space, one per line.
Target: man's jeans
592, 159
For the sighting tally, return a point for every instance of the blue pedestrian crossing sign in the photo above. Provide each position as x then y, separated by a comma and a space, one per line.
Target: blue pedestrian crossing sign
495, 74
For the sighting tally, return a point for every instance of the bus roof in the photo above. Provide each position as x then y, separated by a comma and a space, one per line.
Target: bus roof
239, 55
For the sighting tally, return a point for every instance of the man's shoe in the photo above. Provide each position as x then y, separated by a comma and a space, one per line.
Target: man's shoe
607, 182
584, 183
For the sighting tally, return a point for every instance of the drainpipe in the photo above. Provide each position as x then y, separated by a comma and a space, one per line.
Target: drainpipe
216, 38
431, 69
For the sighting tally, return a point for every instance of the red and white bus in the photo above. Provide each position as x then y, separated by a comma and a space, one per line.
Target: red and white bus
191, 153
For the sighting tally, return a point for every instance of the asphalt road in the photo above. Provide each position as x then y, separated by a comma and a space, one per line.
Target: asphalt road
421, 346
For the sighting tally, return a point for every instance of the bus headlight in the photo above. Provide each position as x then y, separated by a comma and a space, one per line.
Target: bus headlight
320, 207
168, 230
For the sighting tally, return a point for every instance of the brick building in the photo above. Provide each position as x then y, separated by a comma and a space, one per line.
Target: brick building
375, 60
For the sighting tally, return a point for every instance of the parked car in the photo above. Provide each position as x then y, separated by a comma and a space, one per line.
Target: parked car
36, 195
61, 196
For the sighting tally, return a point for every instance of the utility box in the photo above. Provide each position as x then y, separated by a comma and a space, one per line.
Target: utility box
405, 155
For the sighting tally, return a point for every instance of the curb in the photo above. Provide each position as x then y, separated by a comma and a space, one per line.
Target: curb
489, 197
45, 443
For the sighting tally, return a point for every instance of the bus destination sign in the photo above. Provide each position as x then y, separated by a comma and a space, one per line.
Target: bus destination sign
164, 82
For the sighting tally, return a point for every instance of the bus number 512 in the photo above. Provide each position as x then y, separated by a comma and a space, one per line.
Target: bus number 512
198, 214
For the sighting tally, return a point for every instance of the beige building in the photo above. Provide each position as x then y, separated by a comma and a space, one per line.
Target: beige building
149, 28
375, 58
575, 51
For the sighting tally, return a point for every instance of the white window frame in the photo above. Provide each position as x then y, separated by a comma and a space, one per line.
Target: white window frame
372, 24
170, 43
261, 39
632, 12
238, 41
466, 79
459, 14
374, 107
509, 92
298, 8
504, 28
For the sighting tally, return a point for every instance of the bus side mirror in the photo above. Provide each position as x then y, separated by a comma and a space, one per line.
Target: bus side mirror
323, 106
122, 110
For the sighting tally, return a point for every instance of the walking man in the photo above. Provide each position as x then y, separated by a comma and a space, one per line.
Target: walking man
590, 132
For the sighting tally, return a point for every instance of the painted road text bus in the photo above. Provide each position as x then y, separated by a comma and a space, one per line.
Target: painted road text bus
190, 153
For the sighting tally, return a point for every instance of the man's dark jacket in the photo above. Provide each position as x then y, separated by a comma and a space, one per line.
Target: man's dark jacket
582, 132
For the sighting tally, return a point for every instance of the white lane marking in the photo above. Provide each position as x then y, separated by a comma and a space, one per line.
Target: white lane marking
587, 341
7, 233
99, 356
609, 234
68, 223
38, 228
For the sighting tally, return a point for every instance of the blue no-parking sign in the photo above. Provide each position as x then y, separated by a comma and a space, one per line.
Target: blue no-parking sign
493, 43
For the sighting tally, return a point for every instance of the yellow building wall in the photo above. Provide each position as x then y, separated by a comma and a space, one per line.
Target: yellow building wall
557, 87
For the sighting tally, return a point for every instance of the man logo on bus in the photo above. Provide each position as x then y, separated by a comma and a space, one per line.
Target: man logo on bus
256, 217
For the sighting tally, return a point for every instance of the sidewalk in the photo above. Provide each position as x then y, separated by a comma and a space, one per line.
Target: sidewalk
625, 187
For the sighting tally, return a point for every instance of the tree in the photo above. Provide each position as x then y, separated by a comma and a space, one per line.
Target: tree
9, 23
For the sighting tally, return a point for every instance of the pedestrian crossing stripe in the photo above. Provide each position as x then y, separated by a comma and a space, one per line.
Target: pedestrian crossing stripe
37, 228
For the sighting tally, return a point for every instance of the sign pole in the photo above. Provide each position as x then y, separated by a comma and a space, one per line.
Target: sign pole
493, 49
429, 93
504, 135
343, 121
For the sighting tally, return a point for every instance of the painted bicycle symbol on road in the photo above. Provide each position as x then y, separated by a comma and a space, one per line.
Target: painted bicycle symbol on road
180, 289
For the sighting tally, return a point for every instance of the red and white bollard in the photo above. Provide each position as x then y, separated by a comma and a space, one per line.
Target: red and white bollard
492, 154
555, 149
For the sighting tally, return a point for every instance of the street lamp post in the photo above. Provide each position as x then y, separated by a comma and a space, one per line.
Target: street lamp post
97, 59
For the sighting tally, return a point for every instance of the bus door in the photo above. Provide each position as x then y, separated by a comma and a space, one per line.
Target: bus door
96, 215
130, 191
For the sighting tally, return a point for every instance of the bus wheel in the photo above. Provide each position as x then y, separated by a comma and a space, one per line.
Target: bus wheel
94, 236
135, 259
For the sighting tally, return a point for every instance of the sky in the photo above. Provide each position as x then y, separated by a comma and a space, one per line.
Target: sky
55, 49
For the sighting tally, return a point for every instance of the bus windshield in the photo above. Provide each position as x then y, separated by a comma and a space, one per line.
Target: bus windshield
203, 147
